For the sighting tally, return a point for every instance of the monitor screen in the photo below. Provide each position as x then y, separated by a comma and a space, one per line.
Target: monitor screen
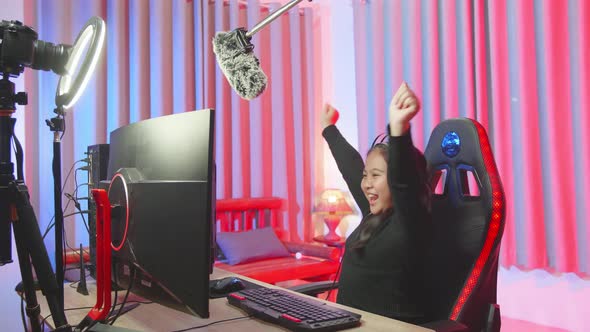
162, 183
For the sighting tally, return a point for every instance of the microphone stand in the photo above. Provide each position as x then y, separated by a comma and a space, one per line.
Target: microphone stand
272, 17
243, 37
16, 208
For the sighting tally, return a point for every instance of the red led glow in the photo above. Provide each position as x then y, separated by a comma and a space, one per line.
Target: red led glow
495, 223
122, 179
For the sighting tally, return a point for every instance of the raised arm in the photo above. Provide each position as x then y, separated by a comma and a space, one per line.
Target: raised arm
407, 166
349, 161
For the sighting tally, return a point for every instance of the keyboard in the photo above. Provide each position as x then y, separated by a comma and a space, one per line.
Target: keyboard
292, 311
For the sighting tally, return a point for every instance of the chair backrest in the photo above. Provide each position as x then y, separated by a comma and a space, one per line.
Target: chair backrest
468, 217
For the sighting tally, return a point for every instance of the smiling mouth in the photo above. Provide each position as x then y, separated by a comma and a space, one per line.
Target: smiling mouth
372, 198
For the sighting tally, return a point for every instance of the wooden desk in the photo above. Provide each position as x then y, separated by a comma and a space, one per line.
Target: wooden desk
155, 317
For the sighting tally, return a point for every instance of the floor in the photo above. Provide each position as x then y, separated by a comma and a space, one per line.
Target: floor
517, 325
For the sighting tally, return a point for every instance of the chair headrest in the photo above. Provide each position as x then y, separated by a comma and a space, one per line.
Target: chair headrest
459, 146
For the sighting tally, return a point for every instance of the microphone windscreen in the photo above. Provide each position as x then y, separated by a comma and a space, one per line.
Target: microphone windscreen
239, 64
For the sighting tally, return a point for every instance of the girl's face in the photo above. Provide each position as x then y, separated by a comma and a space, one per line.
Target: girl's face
374, 183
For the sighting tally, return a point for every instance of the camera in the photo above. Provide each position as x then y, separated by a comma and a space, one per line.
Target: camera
19, 48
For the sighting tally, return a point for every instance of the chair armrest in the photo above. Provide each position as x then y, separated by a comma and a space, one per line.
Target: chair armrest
313, 250
315, 288
446, 326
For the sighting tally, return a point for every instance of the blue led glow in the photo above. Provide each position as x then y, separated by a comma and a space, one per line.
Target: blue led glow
451, 144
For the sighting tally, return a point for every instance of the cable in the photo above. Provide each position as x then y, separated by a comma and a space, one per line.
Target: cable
68, 309
219, 321
80, 308
22, 311
66, 244
335, 279
64, 123
51, 224
49, 227
74, 198
70, 171
126, 295
75, 213
73, 283
116, 277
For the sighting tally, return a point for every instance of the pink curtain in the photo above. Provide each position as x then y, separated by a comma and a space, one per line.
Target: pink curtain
520, 67
158, 60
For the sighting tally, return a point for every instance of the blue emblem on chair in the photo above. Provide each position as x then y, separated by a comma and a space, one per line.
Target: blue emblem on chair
451, 144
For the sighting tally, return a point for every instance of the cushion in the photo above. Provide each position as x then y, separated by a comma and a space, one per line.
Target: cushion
258, 244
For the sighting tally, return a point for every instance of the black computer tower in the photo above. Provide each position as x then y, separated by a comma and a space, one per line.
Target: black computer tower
98, 162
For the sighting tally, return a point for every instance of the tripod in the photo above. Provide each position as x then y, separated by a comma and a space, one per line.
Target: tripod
16, 210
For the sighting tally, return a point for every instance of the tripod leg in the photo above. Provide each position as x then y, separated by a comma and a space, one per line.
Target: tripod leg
26, 229
8, 216
24, 261
5, 232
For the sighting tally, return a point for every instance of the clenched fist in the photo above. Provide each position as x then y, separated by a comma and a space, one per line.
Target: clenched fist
329, 116
403, 107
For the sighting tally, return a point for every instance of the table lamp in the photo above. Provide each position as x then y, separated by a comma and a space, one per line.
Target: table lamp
332, 206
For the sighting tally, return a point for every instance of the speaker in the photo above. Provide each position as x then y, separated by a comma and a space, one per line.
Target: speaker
98, 162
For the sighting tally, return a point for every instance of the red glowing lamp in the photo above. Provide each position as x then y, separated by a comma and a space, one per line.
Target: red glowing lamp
332, 206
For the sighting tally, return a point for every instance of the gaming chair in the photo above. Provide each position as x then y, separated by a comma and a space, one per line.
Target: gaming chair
468, 217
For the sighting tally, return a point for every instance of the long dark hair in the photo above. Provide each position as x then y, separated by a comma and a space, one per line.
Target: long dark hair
371, 222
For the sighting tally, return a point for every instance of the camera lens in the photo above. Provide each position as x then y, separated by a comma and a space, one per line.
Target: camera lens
48, 56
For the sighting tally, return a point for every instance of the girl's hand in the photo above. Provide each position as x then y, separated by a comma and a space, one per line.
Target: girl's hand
329, 116
403, 107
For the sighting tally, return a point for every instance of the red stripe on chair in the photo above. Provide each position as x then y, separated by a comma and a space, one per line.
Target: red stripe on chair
495, 224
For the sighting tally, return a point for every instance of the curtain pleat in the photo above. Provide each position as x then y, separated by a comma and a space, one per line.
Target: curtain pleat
414, 51
481, 72
448, 20
240, 138
183, 86
307, 123
499, 118
160, 57
118, 65
255, 133
518, 67
580, 12
361, 74
559, 120
529, 205
431, 97
376, 81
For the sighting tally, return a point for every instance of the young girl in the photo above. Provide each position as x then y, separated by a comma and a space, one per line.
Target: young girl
383, 264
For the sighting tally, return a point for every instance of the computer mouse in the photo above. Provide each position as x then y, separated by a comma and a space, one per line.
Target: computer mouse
228, 285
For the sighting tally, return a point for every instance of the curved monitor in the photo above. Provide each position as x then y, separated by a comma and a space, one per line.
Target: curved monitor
161, 188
